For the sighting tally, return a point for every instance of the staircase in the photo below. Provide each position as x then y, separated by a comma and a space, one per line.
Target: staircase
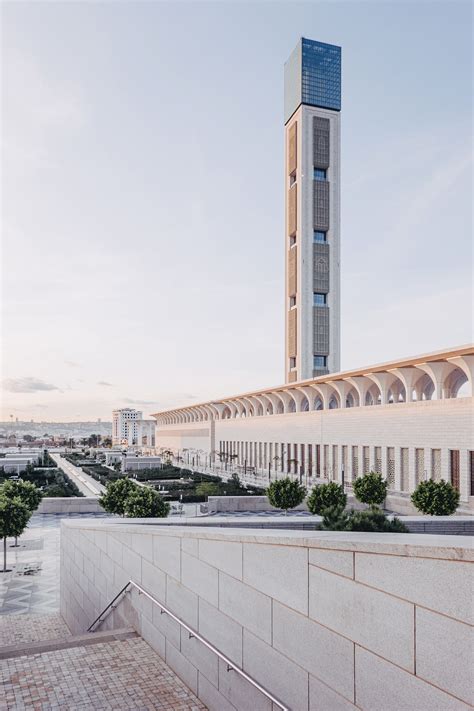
111, 670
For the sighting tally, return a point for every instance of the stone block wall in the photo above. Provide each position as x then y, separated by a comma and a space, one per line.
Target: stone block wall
70, 504
325, 621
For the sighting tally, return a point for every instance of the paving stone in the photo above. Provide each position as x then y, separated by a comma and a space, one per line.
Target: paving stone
124, 674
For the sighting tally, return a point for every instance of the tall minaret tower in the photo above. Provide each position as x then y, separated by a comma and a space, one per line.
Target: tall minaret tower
312, 196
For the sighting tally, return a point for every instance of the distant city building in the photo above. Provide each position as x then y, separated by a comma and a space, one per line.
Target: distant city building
143, 433
312, 181
139, 433
124, 424
132, 463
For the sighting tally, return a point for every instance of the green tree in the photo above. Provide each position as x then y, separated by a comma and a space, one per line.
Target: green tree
326, 496
371, 488
14, 516
116, 494
286, 494
143, 502
438, 498
207, 488
27, 492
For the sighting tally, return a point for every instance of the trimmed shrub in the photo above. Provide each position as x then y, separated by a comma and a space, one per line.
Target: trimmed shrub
145, 503
208, 488
286, 493
371, 488
374, 520
438, 498
53, 482
326, 496
335, 518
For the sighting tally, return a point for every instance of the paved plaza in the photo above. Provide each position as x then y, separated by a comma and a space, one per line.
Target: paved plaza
22, 629
32, 586
122, 674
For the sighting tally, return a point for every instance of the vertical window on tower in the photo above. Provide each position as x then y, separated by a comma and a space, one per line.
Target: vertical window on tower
292, 363
292, 240
319, 174
292, 179
319, 299
319, 361
319, 236
292, 301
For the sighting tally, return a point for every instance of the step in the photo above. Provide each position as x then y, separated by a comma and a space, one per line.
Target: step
51, 645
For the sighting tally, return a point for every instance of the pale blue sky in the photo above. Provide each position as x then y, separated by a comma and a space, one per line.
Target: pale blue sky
142, 177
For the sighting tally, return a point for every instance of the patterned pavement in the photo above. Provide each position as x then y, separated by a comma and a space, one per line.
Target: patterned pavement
21, 629
32, 585
123, 674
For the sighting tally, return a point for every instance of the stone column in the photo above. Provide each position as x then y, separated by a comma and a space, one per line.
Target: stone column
384, 455
464, 474
411, 469
445, 472
428, 463
398, 468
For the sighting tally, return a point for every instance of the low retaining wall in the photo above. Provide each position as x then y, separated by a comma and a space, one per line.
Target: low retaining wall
71, 504
225, 504
322, 620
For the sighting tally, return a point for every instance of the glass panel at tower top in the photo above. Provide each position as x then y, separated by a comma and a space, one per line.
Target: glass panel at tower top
313, 76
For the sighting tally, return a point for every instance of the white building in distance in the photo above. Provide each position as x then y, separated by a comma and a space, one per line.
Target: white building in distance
124, 425
129, 429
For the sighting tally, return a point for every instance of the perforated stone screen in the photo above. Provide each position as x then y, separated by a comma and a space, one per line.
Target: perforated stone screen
321, 205
321, 137
321, 330
321, 267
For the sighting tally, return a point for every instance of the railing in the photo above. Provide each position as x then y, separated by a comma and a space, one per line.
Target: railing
191, 632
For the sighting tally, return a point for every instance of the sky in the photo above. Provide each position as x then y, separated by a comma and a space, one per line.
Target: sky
142, 211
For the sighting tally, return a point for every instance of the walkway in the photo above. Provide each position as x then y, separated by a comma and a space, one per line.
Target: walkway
107, 671
87, 485
38, 556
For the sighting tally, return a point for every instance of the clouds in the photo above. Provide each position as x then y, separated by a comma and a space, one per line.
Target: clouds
105, 384
27, 385
131, 401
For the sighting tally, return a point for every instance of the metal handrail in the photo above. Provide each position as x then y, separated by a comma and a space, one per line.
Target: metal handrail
192, 634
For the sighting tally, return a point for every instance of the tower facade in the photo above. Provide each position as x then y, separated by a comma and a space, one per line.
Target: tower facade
312, 196
124, 424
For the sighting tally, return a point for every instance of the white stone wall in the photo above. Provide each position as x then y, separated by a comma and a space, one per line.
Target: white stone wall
325, 621
193, 436
426, 425
70, 504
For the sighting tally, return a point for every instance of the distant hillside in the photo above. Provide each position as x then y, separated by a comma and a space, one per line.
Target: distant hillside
56, 429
